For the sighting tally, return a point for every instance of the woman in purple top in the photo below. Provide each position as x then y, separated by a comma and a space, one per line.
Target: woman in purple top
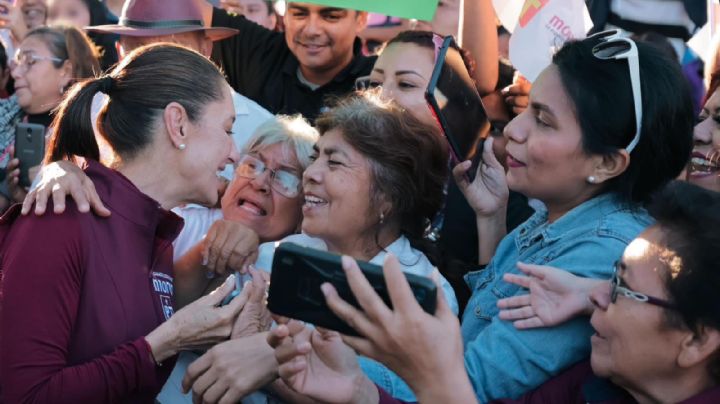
86, 302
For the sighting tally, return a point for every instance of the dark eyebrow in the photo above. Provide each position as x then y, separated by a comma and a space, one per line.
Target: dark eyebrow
623, 269
297, 8
542, 107
330, 151
400, 72
332, 10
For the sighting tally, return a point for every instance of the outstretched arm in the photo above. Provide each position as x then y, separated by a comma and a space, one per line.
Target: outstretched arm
479, 31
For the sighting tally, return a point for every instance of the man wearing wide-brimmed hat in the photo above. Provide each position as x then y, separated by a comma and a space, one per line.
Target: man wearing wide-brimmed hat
148, 21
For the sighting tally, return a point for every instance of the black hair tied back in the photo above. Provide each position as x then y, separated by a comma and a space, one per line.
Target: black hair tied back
106, 84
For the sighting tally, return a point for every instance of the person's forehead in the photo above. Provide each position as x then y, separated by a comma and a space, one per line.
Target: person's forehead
646, 262
253, 2
187, 39
314, 7
405, 58
277, 154
549, 90
713, 103
33, 44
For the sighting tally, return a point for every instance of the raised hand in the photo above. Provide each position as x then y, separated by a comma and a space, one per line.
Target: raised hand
555, 296
254, 317
488, 193
517, 95
229, 246
11, 17
231, 370
60, 180
317, 364
425, 350
199, 324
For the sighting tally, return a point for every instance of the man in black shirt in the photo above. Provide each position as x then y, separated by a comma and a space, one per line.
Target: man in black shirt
316, 58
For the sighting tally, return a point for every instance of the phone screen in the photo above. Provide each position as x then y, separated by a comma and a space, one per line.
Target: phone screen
454, 100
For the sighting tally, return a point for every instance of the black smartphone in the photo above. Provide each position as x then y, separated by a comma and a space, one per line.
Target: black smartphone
29, 148
457, 106
298, 272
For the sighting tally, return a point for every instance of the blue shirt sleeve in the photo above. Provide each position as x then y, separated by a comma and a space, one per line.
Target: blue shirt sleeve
504, 362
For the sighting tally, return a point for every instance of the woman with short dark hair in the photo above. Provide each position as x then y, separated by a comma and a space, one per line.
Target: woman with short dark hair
580, 150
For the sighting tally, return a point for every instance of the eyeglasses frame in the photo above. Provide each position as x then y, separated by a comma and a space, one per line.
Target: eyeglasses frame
273, 175
616, 288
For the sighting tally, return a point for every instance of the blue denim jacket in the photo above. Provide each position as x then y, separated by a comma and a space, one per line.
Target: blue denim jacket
503, 362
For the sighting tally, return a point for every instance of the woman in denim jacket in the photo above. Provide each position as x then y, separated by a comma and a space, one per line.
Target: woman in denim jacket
579, 150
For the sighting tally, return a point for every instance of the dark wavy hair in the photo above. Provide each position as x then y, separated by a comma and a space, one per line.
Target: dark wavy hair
689, 218
408, 160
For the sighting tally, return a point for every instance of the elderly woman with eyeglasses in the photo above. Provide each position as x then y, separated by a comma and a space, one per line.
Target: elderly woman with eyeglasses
48, 61
656, 322
581, 151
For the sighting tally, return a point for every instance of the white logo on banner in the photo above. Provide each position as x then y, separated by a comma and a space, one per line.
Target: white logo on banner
539, 28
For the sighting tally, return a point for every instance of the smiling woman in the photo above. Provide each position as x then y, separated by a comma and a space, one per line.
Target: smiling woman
48, 61
375, 182
704, 168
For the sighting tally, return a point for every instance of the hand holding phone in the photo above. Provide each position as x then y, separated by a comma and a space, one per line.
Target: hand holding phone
299, 271
456, 104
29, 148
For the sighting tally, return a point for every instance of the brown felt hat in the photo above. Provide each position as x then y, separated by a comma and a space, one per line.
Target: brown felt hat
161, 17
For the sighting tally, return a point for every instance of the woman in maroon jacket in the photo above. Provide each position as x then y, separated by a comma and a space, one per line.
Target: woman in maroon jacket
86, 305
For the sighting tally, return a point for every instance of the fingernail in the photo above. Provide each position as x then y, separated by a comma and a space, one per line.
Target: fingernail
326, 289
230, 279
204, 259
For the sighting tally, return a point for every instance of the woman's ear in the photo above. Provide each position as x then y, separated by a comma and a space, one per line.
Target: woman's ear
66, 74
611, 166
699, 347
175, 118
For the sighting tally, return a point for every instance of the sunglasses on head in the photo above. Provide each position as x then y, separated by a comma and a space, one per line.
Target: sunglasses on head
614, 46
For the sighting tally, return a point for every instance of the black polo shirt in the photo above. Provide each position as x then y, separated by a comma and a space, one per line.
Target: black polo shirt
260, 66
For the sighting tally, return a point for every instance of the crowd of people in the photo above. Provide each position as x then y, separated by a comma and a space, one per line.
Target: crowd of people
185, 143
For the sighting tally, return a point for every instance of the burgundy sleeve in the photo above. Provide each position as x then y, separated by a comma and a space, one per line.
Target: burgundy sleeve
563, 388
386, 398
43, 263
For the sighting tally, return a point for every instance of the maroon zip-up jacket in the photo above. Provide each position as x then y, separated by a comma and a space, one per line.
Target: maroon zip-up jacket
79, 293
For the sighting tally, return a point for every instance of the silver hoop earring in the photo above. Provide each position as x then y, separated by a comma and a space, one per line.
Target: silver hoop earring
591, 179
181, 146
